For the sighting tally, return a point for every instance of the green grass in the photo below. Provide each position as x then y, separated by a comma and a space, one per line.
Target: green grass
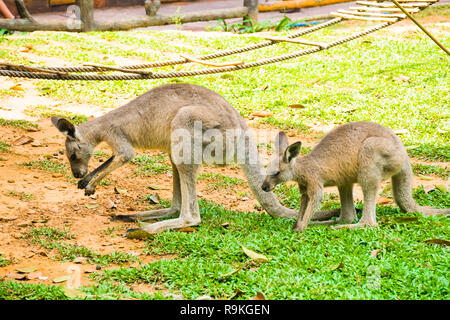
4, 147
23, 124
46, 165
51, 239
13, 290
220, 181
151, 164
45, 112
320, 263
21, 195
426, 169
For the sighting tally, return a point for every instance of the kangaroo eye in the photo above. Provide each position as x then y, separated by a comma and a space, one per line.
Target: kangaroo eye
73, 157
276, 173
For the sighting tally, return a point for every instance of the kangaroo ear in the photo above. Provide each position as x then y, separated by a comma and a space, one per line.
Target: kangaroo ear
292, 151
281, 142
65, 126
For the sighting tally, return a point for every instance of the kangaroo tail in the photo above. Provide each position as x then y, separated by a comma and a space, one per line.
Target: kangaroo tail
402, 190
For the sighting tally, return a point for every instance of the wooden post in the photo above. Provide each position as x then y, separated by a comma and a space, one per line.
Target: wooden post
421, 27
252, 6
87, 14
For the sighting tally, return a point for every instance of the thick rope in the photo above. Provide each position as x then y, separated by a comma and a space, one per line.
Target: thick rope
179, 74
223, 53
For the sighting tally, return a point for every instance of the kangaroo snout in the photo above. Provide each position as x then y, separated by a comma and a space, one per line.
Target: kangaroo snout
266, 186
79, 173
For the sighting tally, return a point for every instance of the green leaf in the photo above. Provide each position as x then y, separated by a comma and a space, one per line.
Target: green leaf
61, 279
255, 256
27, 270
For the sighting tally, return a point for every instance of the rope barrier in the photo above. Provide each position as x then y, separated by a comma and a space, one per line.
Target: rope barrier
180, 74
135, 72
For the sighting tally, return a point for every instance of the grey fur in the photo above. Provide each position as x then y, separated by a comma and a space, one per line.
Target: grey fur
358, 152
147, 123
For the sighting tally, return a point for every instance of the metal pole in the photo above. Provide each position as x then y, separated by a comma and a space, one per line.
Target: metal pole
421, 27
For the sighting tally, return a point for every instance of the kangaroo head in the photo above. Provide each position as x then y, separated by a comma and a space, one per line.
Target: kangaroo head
78, 150
280, 167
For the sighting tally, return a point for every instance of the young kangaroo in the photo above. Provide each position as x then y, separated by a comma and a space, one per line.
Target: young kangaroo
358, 152
155, 120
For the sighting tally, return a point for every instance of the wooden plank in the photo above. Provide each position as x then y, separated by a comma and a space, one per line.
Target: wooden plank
159, 20
294, 4
353, 17
371, 9
299, 41
409, 1
211, 64
391, 5
60, 2
373, 14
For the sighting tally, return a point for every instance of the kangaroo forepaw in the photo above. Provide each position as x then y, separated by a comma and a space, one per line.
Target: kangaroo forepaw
83, 183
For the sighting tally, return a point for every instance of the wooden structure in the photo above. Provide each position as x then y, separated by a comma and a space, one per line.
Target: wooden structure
296, 4
83, 17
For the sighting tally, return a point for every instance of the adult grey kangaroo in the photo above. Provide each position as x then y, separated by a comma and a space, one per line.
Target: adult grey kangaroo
358, 152
148, 122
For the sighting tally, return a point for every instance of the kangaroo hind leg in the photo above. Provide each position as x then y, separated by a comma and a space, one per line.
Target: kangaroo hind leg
159, 213
375, 157
189, 211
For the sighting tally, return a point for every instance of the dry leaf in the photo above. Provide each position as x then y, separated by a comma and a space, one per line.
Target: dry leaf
383, 200
375, 252
110, 204
22, 140
17, 276
405, 219
119, 190
337, 267
401, 131
254, 255
425, 178
153, 199
297, 106
153, 187
259, 296
441, 188
90, 270
17, 87
79, 260
403, 78
73, 293
187, 229
91, 207
438, 241
262, 114
225, 225
34, 275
